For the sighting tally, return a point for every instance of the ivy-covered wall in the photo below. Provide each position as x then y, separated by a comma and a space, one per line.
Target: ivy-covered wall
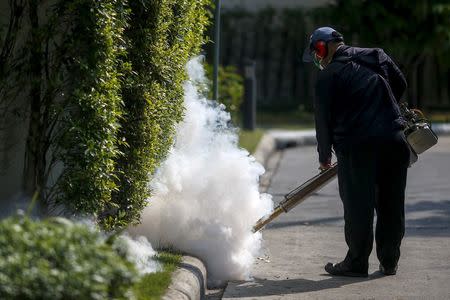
100, 87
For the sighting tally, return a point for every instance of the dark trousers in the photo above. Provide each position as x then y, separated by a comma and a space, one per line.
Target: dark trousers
372, 175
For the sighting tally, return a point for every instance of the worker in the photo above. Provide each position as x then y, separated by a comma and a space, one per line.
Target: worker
357, 115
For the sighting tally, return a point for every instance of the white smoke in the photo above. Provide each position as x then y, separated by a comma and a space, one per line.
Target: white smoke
205, 195
139, 251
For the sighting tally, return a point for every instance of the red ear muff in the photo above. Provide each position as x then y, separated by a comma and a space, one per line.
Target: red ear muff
321, 49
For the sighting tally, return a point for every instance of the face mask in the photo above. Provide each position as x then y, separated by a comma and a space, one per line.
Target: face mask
317, 61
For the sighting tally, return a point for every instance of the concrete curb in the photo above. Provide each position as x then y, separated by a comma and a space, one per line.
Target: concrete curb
265, 148
276, 139
441, 128
188, 281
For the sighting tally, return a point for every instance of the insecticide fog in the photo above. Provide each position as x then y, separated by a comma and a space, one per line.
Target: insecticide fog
205, 195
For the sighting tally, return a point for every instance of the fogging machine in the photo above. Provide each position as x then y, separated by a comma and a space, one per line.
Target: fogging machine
298, 195
418, 134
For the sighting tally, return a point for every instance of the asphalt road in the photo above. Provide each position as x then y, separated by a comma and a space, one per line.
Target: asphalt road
299, 244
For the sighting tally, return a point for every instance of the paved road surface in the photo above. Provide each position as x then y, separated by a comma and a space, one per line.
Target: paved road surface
298, 244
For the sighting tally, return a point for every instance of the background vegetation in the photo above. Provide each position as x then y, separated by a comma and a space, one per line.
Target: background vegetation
231, 89
275, 39
422, 47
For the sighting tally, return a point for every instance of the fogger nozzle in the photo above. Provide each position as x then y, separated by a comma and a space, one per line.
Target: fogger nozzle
298, 195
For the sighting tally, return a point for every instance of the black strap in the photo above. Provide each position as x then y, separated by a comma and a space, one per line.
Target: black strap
346, 59
342, 59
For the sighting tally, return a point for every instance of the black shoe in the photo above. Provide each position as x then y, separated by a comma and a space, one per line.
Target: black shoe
388, 271
340, 269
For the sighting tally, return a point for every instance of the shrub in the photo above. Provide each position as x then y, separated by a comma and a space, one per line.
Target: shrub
231, 88
163, 35
94, 47
57, 259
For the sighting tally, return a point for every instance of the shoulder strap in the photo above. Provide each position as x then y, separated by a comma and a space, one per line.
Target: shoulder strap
342, 59
346, 59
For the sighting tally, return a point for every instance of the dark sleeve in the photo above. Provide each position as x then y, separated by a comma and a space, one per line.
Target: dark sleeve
322, 111
396, 78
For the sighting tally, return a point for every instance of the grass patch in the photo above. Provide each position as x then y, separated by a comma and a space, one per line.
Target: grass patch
294, 120
250, 139
153, 286
299, 120
438, 117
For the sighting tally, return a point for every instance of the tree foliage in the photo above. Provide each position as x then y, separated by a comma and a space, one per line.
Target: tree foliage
231, 88
414, 33
389, 25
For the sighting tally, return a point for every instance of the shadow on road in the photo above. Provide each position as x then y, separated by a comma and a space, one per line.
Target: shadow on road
266, 287
319, 221
428, 218
424, 218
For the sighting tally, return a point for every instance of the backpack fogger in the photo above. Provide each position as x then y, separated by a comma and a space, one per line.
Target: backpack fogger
418, 132
419, 136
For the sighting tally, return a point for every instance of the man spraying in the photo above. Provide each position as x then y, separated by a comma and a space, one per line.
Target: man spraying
357, 114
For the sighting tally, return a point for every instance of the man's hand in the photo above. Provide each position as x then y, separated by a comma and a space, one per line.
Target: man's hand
325, 166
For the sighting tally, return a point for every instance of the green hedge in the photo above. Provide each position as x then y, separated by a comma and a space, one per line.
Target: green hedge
57, 259
163, 35
93, 110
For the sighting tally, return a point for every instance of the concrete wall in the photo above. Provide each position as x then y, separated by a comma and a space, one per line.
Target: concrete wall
13, 139
13, 133
12, 146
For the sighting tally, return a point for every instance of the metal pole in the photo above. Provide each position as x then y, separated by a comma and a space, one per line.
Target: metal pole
216, 51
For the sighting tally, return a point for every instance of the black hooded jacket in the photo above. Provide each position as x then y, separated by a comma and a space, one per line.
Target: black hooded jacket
356, 99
